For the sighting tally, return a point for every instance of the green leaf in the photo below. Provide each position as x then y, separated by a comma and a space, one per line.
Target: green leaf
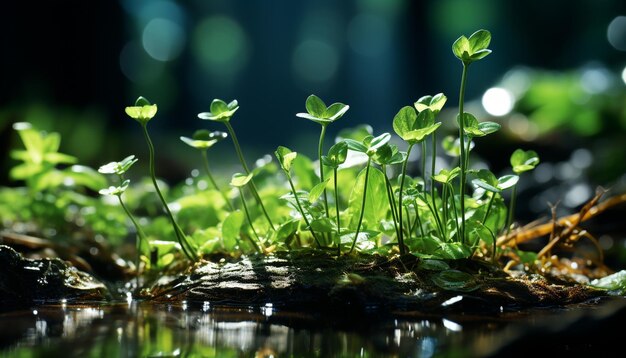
479, 40
376, 204
323, 224
404, 121
507, 181
115, 190
315, 106
487, 181
287, 229
355, 146
433, 265
142, 111
304, 171
337, 154
335, 111
375, 143
434, 103
523, 161
239, 180
204, 139
220, 111
317, 190
285, 157
142, 101
461, 48
455, 280
615, 284
231, 228
445, 176
118, 168
488, 127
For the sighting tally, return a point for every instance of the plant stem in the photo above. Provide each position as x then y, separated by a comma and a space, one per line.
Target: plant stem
456, 215
245, 209
392, 202
358, 226
509, 220
337, 211
320, 149
432, 173
493, 195
140, 234
180, 236
401, 237
306, 220
462, 157
424, 161
417, 217
255, 193
205, 161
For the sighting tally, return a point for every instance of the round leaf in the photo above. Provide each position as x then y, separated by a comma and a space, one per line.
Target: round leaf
239, 180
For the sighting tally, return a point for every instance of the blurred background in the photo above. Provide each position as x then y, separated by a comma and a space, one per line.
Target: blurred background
556, 80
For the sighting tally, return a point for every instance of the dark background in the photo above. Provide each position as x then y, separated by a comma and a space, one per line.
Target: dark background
72, 66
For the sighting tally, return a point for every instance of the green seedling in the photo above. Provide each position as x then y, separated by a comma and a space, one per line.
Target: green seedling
318, 112
370, 146
222, 112
202, 140
143, 112
468, 50
239, 181
119, 169
521, 162
337, 155
285, 158
413, 128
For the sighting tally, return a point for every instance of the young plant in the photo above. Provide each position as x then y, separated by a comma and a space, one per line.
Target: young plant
285, 158
413, 128
521, 162
337, 155
468, 50
388, 155
239, 181
119, 169
143, 112
202, 140
223, 112
319, 113
369, 146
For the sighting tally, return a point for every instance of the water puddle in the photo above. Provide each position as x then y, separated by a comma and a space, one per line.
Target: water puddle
202, 330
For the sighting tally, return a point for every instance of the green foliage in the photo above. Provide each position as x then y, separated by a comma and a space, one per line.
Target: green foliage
368, 199
615, 284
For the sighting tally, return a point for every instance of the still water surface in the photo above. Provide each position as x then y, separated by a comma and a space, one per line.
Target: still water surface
132, 329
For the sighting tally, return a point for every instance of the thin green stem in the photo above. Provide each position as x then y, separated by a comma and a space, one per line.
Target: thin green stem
424, 161
493, 195
205, 162
463, 158
417, 217
392, 202
180, 236
245, 209
306, 220
320, 149
140, 234
358, 226
253, 188
509, 220
456, 215
401, 237
337, 211
444, 203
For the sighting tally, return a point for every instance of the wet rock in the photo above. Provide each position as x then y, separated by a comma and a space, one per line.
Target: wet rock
23, 281
316, 281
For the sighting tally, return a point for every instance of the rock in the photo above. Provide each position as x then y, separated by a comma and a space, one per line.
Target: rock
24, 281
317, 281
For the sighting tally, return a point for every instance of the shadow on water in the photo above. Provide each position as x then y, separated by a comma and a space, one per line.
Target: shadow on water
200, 330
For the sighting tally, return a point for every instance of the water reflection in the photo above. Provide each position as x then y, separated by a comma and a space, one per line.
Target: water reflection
201, 330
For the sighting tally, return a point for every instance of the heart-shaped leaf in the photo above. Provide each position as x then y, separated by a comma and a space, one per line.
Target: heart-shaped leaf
523, 161
434, 103
474, 48
319, 113
220, 111
285, 157
445, 176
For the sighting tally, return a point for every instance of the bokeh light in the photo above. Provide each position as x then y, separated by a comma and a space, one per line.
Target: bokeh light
616, 33
137, 66
163, 39
624, 75
220, 45
498, 101
314, 62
